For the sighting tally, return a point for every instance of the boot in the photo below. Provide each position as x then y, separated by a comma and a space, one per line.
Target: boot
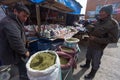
91, 75
87, 65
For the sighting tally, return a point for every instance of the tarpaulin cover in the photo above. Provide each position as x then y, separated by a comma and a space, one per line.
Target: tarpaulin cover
37, 1
73, 5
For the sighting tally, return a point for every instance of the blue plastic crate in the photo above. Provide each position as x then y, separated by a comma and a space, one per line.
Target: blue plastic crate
39, 45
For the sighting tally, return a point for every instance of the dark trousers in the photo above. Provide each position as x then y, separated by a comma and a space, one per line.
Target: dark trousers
14, 72
0, 63
22, 70
94, 55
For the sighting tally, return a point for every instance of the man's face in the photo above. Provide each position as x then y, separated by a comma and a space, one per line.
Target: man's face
103, 15
22, 16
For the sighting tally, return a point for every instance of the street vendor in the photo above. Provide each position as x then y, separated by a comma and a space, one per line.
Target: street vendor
105, 31
13, 41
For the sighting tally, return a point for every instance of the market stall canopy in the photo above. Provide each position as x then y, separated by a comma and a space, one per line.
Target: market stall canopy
52, 4
9, 2
72, 4
37, 1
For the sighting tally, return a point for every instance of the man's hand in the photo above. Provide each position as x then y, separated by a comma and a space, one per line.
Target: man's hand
92, 37
27, 54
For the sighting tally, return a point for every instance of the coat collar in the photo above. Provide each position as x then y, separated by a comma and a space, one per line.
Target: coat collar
106, 19
15, 18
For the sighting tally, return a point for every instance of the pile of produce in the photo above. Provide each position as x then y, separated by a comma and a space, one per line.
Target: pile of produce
42, 61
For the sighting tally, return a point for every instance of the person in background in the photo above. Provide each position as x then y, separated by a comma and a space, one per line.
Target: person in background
105, 31
12, 39
86, 23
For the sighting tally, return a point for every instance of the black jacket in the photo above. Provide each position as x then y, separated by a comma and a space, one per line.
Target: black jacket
105, 31
12, 40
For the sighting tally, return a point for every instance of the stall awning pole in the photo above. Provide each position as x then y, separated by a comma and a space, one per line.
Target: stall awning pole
38, 17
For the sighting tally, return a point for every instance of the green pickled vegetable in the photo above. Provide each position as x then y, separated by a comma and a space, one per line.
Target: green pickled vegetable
71, 39
63, 60
42, 61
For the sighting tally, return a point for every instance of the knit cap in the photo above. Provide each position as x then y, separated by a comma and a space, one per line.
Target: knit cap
107, 8
21, 7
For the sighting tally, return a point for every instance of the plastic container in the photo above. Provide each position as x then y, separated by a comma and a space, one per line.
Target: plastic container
72, 40
73, 43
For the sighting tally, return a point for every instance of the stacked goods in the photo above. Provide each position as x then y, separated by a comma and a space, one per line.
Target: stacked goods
42, 61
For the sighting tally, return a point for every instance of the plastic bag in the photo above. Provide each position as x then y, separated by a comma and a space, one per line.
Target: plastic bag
51, 73
68, 57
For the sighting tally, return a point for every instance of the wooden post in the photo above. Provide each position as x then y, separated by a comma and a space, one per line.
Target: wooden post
38, 17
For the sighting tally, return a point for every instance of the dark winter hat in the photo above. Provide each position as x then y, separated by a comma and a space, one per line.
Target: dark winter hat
107, 8
21, 7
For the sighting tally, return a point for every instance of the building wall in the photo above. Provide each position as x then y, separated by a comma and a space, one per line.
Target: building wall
91, 6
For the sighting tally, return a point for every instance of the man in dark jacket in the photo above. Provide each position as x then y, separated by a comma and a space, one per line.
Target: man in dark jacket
105, 31
12, 38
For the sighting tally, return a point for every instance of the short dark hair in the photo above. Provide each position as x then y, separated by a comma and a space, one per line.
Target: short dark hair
21, 7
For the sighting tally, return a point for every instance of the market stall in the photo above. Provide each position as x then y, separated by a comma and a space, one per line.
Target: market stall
51, 36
